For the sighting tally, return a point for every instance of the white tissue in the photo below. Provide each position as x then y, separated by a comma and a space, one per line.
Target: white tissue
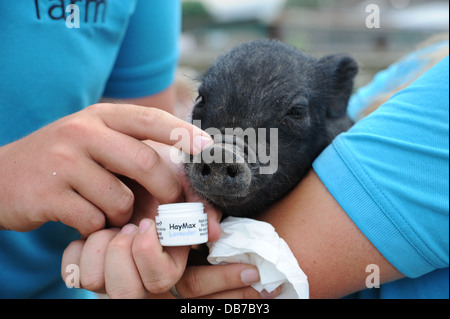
254, 242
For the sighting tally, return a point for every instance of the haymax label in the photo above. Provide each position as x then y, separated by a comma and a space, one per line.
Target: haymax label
182, 233
180, 227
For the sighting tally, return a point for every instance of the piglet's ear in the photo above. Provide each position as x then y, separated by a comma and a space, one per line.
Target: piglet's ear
340, 71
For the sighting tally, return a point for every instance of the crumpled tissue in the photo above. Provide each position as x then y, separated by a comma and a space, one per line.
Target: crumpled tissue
254, 242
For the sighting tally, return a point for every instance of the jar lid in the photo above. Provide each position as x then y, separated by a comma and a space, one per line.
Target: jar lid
181, 208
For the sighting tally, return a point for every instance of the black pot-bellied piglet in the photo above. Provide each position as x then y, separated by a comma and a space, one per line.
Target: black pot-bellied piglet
271, 110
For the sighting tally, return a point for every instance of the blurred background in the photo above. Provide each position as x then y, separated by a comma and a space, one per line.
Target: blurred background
318, 27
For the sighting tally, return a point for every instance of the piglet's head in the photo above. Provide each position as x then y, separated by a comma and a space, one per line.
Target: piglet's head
271, 110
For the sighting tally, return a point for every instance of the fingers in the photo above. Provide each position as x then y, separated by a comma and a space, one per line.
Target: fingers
81, 192
122, 280
92, 260
222, 282
160, 269
146, 123
214, 217
245, 293
71, 256
77, 212
89, 256
115, 145
126, 156
206, 280
136, 264
106, 139
123, 152
109, 194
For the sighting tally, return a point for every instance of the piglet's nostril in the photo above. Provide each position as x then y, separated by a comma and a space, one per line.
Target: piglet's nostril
232, 171
206, 171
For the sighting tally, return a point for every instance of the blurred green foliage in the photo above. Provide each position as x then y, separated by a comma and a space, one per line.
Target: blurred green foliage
195, 15
193, 9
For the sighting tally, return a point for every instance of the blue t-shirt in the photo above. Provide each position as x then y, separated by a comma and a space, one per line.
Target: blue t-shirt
390, 173
122, 49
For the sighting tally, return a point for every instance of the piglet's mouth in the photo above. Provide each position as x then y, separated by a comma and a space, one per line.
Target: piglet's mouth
221, 185
224, 200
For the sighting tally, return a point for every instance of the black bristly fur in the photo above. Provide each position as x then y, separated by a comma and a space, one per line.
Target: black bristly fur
269, 84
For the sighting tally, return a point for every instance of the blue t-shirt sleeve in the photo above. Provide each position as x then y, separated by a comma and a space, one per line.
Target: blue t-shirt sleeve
390, 173
148, 57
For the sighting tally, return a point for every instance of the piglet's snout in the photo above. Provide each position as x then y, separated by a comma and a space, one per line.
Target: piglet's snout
221, 169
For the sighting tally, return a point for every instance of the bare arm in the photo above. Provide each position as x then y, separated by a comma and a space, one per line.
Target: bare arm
329, 247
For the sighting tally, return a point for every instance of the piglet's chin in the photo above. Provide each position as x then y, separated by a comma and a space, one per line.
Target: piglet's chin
224, 201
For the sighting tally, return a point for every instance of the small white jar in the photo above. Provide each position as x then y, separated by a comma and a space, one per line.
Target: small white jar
182, 224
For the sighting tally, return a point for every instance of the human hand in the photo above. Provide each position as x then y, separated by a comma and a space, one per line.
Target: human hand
66, 170
131, 262
232, 281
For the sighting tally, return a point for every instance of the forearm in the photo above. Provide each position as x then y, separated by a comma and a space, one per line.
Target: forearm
329, 247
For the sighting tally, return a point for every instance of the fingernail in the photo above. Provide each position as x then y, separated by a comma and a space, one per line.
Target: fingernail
128, 229
201, 142
145, 225
270, 295
249, 276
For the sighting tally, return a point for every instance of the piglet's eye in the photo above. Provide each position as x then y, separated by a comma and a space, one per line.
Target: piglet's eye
297, 112
200, 101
